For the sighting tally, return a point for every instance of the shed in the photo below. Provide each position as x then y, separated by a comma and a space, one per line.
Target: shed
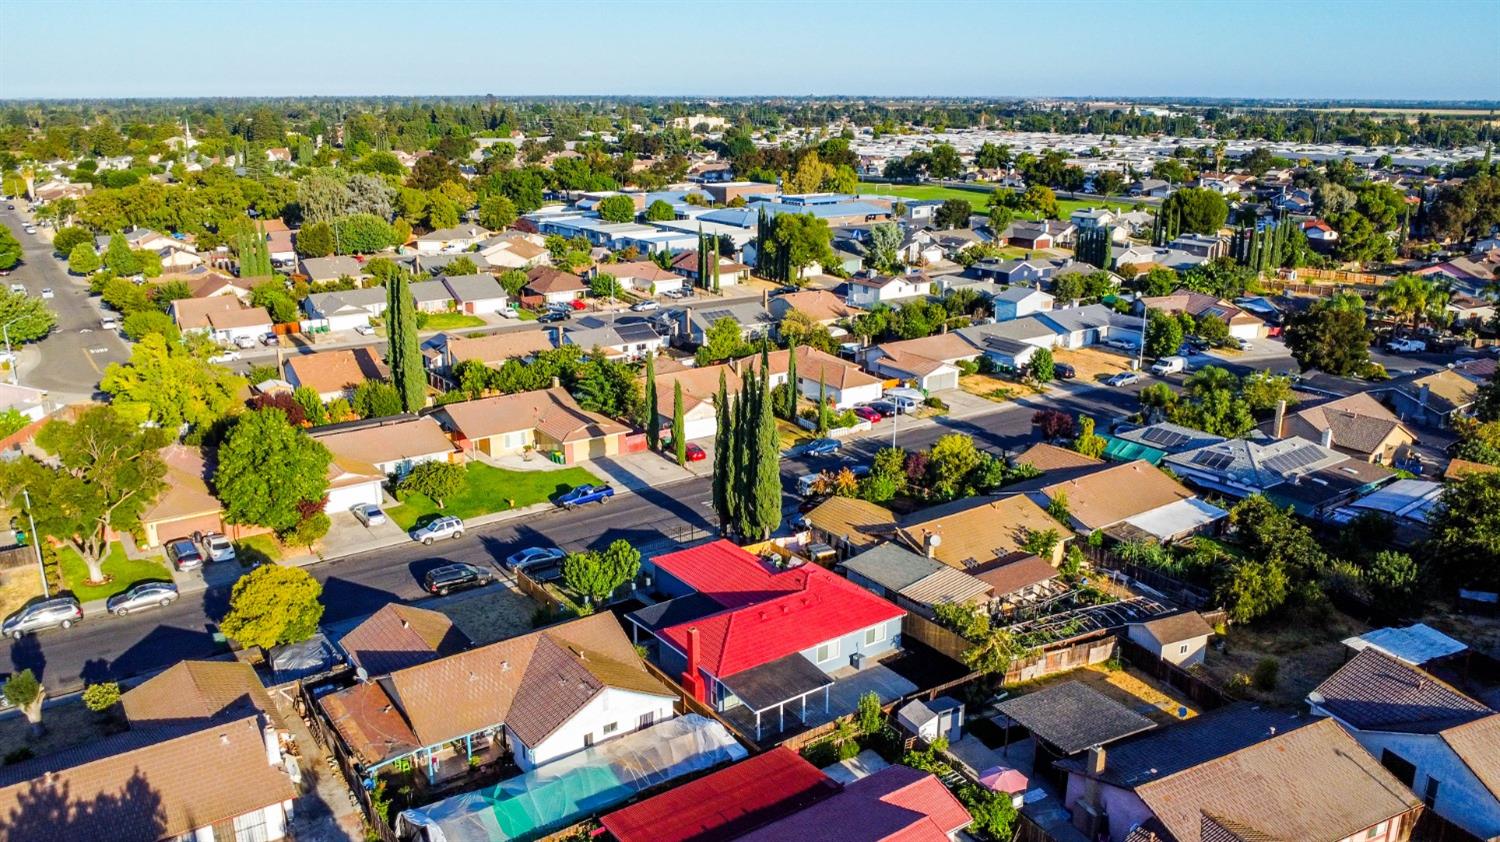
941, 717
1179, 639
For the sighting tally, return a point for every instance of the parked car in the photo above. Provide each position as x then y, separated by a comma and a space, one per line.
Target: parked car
142, 596
58, 613
1243, 344
696, 453
365, 330
1168, 365
368, 514
553, 316
1124, 378
822, 447
47, 292
645, 306
109, 323
1121, 344
532, 555
885, 408
245, 343
583, 495
446, 526
184, 554
1064, 371
270, 339
225, 357
18, 288
868, 414
1406, 346
508, 312
456, 577
215, 546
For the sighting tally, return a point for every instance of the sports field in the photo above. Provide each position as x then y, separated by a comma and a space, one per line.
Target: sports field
979, 198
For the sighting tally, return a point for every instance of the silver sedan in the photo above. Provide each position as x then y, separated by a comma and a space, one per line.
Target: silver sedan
142, 596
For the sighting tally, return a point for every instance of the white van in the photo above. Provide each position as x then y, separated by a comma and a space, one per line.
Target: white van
806, 484
1169, 365
905, 399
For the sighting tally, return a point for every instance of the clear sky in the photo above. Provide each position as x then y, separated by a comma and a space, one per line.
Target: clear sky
1354, 49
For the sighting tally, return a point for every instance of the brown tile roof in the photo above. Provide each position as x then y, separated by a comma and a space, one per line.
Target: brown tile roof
1178, 627
242, 317
142, 785
977, 530
641, 270
943, 347
496, 348
862, 523
699, 385
1359, 422
1108, 496
1046, 457
1011, 576
197, 313
820, 305
1447, 390
1375, 692
207, 285
406, 439
553, 412
1197, 304
545, 279
688, 262
198, 691
186, 493
813, 364
399, 636
533, 684
1314, 784
369, 723
332, 371
1477, 744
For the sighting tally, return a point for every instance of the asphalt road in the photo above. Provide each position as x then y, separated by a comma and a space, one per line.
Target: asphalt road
71, 359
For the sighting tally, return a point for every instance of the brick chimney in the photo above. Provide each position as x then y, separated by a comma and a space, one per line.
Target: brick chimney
692, 679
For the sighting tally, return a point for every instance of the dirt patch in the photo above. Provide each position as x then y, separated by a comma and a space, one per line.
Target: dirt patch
18, 587
1306, 652
1137, 691
69, 725
1093, 364
993, 388
495, 614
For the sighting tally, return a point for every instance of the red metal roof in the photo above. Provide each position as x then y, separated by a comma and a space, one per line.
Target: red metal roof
896, 804
769, 614
727, 803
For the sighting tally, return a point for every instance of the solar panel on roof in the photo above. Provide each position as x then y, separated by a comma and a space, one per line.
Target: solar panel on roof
1213, 460
1165, 438
1292, 460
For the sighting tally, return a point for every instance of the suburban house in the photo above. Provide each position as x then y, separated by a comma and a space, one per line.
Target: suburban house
1180, 639
1092, 217
975, 532
346, 309
1128, 500
929, 363
1153, 187
548, 420
320, 269
394, 445
1155, 442
280, 242
1319, 233
447, 351
1079, 327
1028, 235
700, 390
1357, 425
885, 289
540, 697
447, 240
849, 524
1202, 245
546, 285
819, 305
1236, 773
1433, 399
476, 294
399, 636
641, 277
223, 317
692, 324
335, 374
731, 272
1028, 271
1143, 257
514, 250
354, 481
431, 296
1241, 324
1295, 472
779, 795
210, 284
186, 505
617, 340
1017, 301
1443, 745
914, 582
844, 383
1467, 311
747, 633
1049, 457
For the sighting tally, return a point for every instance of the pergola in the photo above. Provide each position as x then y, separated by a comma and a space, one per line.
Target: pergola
774, 685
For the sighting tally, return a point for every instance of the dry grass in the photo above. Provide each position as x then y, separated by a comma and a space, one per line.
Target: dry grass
1134, 690
494, 614
18, 587
1093, 364
991, 388
69, 724
1306, 651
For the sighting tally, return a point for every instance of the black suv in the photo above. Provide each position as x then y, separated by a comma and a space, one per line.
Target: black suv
1064, 371
455, 577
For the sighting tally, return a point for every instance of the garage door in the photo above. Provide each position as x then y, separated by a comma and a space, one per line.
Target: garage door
699, 428
942, 380
343, 499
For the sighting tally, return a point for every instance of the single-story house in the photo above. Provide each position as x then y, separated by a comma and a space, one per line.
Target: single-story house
352, 482
885, 289
731, 272
1432, 400
1028, 271
319, 269
1357, 425
844, 383
394, 445
336, 374
912, 581
819, 305
618, 340
431, 296
849, 524
976, 531
1017, 301
641, 277
210, 284
1155, 442
1311, 478
1049, 457
476, 294
547, 285
1080, 327
346, 309
445, 240
700, 390
1127, 499
514, 250
692, 323
546, 420
1180, 639
491, 349
186, 505
223, 317
1241, 324
399, 636
1028, 235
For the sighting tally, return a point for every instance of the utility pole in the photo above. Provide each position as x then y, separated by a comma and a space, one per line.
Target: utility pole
36, 545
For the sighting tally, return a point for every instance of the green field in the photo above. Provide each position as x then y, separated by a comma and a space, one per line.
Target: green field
451, 321
122, 570
979, 199
490, 489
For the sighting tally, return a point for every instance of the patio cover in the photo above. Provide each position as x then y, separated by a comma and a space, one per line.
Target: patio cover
782, 680
1121, 450
1074, 716
559, 793
1177, 519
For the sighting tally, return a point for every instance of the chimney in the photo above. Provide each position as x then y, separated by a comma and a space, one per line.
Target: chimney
1278, 427
1424, 394
931, 542
273, 745
692, 680
1327, 438
1095, 760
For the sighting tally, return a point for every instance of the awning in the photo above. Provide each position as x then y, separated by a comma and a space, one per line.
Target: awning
1121, 450
1175, 520
782, 680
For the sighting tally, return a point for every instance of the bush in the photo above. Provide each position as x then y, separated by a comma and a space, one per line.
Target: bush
1239, 684
1267, 670
936, 402
101, 697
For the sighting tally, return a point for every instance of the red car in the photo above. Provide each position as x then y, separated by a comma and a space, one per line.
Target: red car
868, 414
695, 453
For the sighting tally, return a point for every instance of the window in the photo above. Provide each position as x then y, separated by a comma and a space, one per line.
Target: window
871, 635
611, 727
1429, 796
1404, 770
1182, 650
1377, 830
828, 651
647, 719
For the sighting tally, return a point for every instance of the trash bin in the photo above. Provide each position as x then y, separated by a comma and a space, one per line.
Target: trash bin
556, 456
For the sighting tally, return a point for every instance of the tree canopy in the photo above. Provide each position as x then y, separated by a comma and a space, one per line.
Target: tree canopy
270, 473
273, 605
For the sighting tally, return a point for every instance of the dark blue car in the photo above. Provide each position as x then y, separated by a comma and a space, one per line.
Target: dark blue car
585, 494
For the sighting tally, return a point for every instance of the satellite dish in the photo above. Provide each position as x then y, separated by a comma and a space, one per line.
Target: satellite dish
362, 674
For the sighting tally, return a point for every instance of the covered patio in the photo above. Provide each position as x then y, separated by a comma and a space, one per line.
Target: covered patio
773, 687
840, 696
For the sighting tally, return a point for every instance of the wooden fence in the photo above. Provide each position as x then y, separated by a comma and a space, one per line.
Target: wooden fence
1173, 589
333, 748
945, 641
1203, 693
1094, 648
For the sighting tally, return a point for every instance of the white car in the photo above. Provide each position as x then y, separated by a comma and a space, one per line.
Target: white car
364, 330
1400, 346
644, 306
508, 312
47, 292
21, 288
532, 555
226, 357
368, 514
109, 323
443, 527
244, 343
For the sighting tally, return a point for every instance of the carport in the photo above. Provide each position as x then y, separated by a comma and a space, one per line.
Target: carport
774, 685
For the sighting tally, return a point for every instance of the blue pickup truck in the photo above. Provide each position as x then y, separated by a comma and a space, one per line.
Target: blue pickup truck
583, 495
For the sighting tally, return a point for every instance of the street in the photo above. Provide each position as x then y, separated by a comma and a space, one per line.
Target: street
70, 361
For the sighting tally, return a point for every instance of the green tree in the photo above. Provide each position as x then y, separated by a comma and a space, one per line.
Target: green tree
460, 266
141, 324
1330, 337
617, 209
651, 417
1263, 390
497, 213
269, 472
953, 213
1486, 406
172, 385
765, 450
25, 692
376, 399
10, 249
1197, 210
721, 341
105, 471
725, 485
119, 259
403, 352
885, 243
273, 296
1407, 298
273, 605
315, 240
1465, 532
362, 233
1057, 507
311, 403
660, 211
1043, 368
679, 440
1163, 334
1088, 442
27, 318
83, 260
869, 717
437, 481
70, 237
101, 697
605, 285
596, 575
513, 280
798, 241
953, 464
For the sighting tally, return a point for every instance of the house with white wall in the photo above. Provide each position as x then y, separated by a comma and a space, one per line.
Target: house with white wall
886, 289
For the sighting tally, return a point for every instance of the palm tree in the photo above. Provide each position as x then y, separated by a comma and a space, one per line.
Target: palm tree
1407, 297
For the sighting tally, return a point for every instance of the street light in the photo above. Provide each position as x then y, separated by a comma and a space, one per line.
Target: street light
11, 357
36, 544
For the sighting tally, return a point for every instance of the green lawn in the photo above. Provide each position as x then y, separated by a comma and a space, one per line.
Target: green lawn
262, 548
123, 571
492, 489
451, 321
980, 197
526, 315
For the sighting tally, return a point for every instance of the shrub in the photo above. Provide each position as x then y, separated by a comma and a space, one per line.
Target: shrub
1266, 672
1239, 684
101, 697
936, 402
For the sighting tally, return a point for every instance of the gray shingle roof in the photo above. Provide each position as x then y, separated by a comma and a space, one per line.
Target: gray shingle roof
1073, 716
1375, 692
892, 567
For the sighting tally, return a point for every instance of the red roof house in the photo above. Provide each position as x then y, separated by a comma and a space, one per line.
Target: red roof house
895, 804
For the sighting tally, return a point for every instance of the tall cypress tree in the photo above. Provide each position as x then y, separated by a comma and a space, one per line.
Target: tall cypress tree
679, 441
724, 461
653, 412
791, 379
403, 354
822, 405
744, 433
766, 449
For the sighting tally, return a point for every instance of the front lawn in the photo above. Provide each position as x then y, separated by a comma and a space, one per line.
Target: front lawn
261, 549
526, 315
489, 489
122, 570
451, 321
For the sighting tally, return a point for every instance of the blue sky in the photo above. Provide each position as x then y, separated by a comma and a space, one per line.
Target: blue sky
1357, 50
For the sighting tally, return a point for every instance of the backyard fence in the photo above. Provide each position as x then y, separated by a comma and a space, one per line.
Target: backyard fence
1171, 588
1202, 693
332, 748
942, 640
1096, 648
